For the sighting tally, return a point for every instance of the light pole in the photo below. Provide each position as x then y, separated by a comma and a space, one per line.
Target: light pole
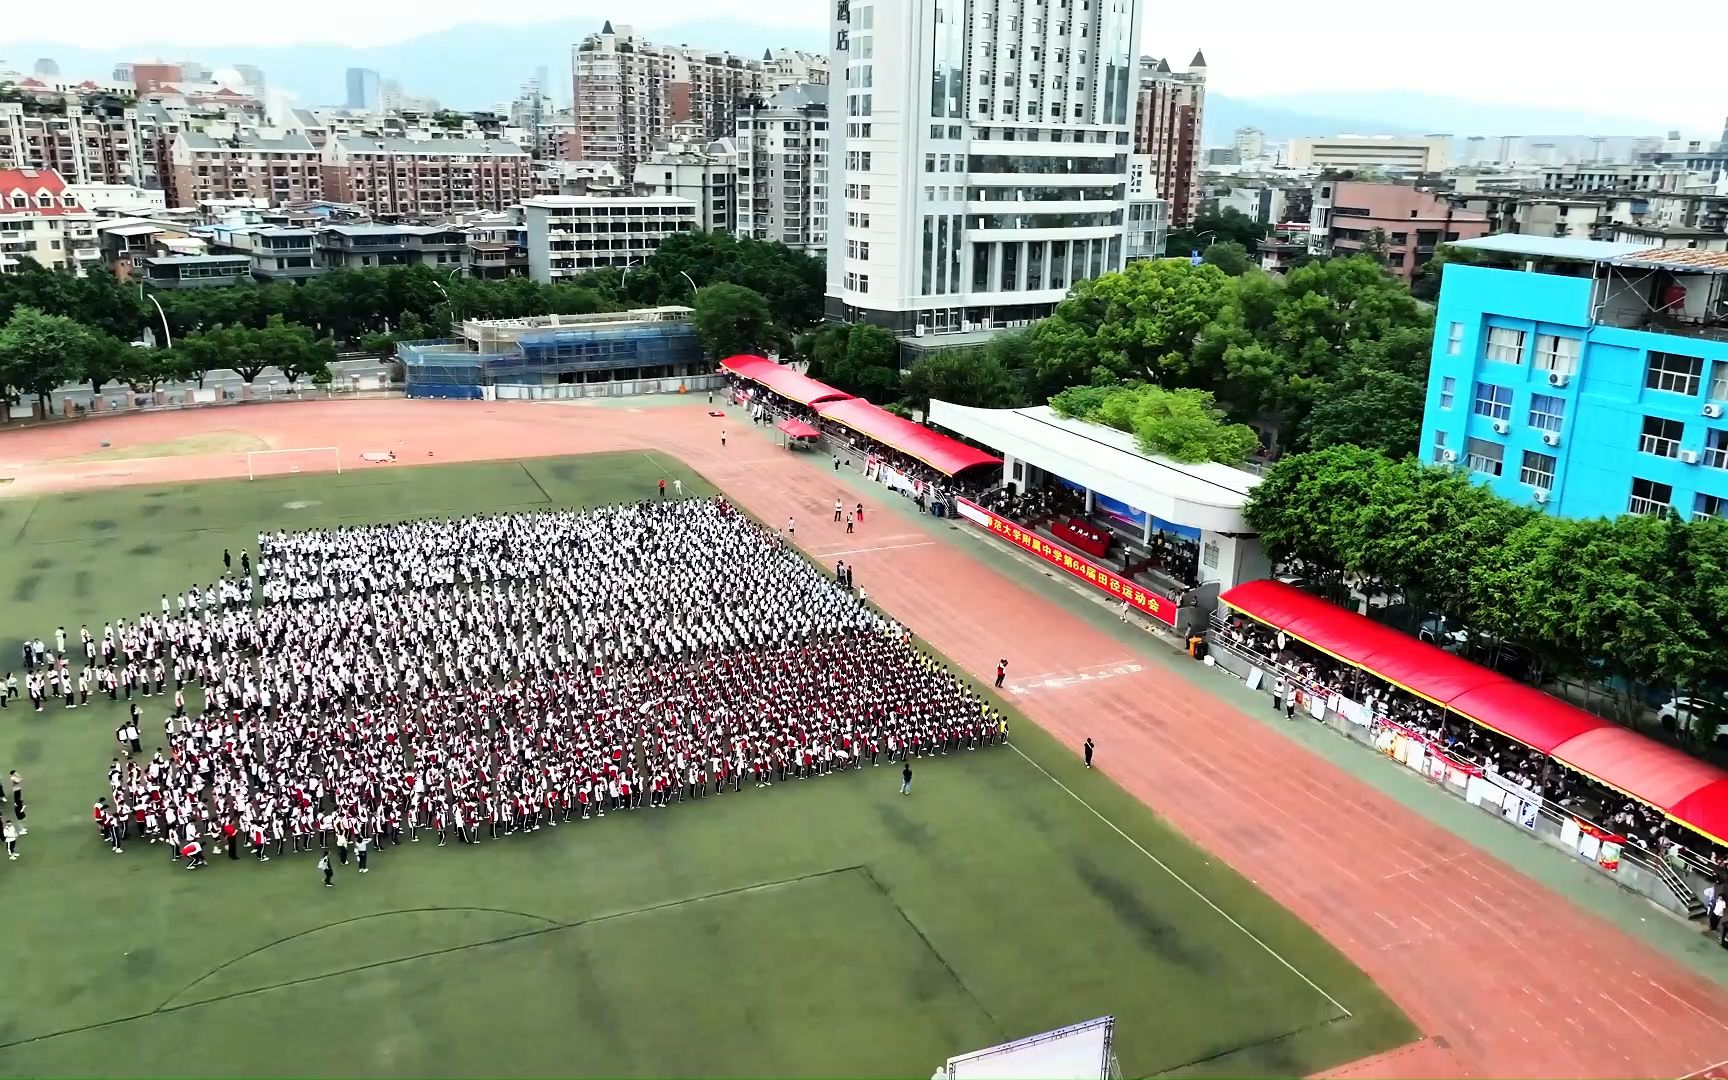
1194, 256
692, 281
167, 338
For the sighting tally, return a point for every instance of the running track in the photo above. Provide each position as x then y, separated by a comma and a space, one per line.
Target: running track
1503, 976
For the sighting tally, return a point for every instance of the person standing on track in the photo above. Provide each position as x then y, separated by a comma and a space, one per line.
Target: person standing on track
1001, 672
1087, 750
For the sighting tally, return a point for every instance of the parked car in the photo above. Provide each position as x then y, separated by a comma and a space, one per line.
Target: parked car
1440, 631
1691, 714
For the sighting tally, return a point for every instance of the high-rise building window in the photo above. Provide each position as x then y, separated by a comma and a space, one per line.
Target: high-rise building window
1537, 471
1547, 412
1494, 402
1673, 373
1505, 345
1484, 456
1448, 391
1455, 339
1649, 497
1557, 355
1661, 437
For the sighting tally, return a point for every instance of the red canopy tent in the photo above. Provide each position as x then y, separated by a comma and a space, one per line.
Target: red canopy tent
782, 379
798, 429
951, 457
1691, 792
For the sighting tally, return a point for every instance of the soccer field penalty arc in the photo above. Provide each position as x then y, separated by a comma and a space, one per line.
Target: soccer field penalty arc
292, 460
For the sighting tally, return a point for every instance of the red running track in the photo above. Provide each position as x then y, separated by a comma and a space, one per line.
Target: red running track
1504, 976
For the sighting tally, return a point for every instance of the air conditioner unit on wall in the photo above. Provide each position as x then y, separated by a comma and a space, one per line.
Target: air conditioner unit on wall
1541, 497
1713, 410
1501, 427
1551, 438
1688, 457
1449, 456
1558, 378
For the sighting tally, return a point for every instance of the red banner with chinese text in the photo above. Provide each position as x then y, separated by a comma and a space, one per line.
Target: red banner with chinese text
1101, 578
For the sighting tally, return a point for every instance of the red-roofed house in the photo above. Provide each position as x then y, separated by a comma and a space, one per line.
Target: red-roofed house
41, 220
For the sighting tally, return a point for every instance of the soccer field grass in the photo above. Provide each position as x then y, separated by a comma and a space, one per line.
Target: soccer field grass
832, 928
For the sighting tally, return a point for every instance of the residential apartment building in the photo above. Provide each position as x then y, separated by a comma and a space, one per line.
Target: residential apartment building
706, 174
496, 249
568, 235
86, 139
352, 247
1404, 222
1169, 113
197, 271
1148, 215
276, 254
1577, 179
1388, 153
629, 92
226, 161
41, 221
979, 159
396, 177
783, 168
1593, 383
363, 86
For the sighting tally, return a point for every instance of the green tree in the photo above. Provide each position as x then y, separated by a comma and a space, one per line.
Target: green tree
1227, 227
1137, 324
1183, 425
292, 350
973, 376
40, 353
731, 319
1230, 257
1378, 410
869, 366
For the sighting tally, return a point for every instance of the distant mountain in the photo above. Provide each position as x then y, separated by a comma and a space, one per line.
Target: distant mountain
465, 67
1405, 113
478, 66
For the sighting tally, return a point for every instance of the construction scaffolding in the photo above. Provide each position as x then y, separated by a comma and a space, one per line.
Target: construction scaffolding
650, 345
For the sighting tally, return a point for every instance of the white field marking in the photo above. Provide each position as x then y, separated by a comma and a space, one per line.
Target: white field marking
1706, 1070
1061, 680
878, 547
1180, 880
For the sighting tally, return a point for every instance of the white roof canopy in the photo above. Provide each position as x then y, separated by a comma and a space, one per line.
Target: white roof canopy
1206, 495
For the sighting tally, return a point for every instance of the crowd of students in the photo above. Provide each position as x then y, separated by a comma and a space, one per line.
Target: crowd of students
1311, 671
489, 676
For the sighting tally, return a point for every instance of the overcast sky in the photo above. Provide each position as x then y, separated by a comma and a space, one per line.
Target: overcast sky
1590, 59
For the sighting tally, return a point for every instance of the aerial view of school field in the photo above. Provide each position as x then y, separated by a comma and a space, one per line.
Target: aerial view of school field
828, 928
832, 925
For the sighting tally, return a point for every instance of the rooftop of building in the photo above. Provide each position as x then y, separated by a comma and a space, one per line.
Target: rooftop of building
801, 97
250, 139
1563, 249
558, 202
367, 144
197, 260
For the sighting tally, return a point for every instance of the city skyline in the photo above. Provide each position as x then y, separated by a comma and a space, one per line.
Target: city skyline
1323, 60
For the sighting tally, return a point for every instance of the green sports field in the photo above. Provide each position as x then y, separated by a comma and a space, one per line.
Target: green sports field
826, 929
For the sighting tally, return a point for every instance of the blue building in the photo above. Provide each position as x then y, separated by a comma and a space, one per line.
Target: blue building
1593, 381
648, 350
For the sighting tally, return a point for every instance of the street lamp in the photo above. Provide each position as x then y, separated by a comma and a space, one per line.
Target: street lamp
692, 281
167, 338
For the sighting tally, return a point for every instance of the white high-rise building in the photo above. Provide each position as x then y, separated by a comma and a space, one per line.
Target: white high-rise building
979, 155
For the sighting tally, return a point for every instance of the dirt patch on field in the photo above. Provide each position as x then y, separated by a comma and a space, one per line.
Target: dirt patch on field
216, 442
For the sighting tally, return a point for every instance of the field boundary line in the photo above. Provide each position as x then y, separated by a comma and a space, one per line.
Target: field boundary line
1706, 1070
934, 951
1255, 1045
1207, 900
555, 927
535, 480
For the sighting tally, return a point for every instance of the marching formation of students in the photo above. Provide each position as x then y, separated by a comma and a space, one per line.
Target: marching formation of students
485, 676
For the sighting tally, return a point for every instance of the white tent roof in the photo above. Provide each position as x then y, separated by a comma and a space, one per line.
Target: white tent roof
1205, 495
1548, 247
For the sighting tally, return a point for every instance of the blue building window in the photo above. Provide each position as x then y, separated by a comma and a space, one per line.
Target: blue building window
1709, 506
1716, 448
1448, 391
1455, 339
1505, 345
1440, 451
1547, 412
1484, 457
1494, 402
1661, 437
1649, 497
1538, 471
1719, 380
1557, 355
1673, 373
